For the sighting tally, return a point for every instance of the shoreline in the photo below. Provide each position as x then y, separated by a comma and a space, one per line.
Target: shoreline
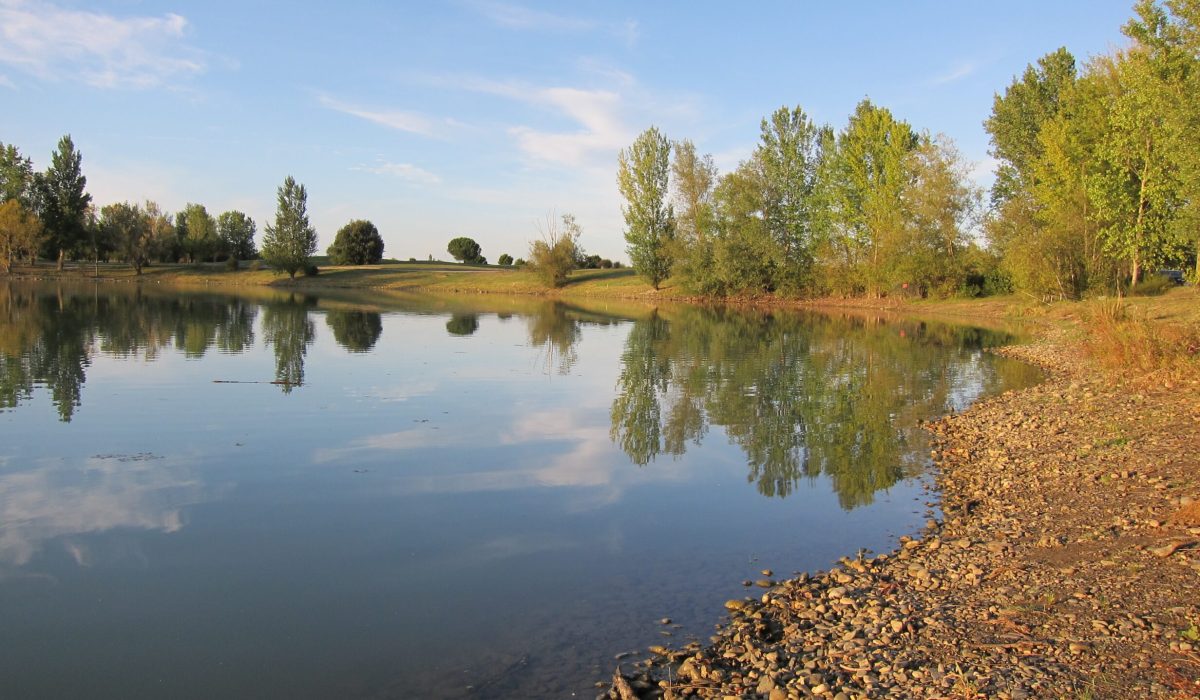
1069, 541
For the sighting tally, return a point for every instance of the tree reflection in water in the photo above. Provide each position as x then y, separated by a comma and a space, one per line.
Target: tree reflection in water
803, 395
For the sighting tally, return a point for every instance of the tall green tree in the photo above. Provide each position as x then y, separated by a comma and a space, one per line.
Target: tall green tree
865, 179
357, 243
16, 176
1017, 118
1135, 188
643, 172
291, 241
198, 231
693, 182
63, 200
236, 233
128, 227
789, 153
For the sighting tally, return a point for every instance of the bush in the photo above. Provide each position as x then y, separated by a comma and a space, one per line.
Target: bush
311, 270
231, 263
554, 256
1152, 286
255, 265
505, 259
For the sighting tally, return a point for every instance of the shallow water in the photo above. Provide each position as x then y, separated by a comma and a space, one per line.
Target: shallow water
285, 496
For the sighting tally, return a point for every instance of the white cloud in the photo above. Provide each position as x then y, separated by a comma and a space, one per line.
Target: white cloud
404, 171
958, 72
6, 82
411, 122
518, 17
99, 49
597, 111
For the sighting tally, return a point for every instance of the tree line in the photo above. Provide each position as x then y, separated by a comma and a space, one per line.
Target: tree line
50, 215
1097, 184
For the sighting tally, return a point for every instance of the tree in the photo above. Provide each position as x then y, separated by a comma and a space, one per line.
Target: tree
20, 232
164, 242
198, 231
357, 243
291, 241
505, 259
553, 256
128, 227
466, 250
939, 206
789, 153
62, 200
865, 178
693, 179
642, 175
1017, 119
16, 176
236, 233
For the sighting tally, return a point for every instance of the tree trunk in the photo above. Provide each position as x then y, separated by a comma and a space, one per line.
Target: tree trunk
62, 254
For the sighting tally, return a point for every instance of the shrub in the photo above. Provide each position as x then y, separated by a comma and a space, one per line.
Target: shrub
231, 263
311, 270
255, 265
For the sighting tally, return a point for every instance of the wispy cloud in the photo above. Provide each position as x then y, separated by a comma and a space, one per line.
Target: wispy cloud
404, 171
100, 49
519, 17
6, 82
596, 111
400, 120
958, 72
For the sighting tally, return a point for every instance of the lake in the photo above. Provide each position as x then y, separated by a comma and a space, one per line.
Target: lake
275, 495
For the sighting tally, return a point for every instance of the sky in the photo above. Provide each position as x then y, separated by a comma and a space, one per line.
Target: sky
483, 118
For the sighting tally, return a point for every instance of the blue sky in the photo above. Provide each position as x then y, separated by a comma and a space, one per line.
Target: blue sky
480, 118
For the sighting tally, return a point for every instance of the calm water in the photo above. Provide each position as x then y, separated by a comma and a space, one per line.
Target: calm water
287, 497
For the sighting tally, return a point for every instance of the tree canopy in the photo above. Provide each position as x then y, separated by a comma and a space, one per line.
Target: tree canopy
643, 171
357, 243
291, 240
466, 250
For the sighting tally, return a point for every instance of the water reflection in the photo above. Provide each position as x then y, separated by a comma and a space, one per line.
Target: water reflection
802, 395
288, 330
462, 324
357, 331
368, 506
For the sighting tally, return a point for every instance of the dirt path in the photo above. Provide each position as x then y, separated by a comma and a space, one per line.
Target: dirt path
1067, 566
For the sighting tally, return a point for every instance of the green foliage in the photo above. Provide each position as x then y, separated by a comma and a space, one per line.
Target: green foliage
128, 228
197, 232
16, 177
554, 255
63, 201
20, 233
236, 233
1017, 118
505, 259
864, 182
462, 324
789, 154
466, 250
357, 243
356, 331
291, 241
642, 176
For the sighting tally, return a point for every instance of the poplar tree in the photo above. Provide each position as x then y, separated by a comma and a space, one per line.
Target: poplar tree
643, 173
63, 201
290, 241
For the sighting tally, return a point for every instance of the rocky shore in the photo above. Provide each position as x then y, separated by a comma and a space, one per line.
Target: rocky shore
1067, 565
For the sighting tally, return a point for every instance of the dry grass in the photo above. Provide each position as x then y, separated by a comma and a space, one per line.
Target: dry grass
1145, 342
